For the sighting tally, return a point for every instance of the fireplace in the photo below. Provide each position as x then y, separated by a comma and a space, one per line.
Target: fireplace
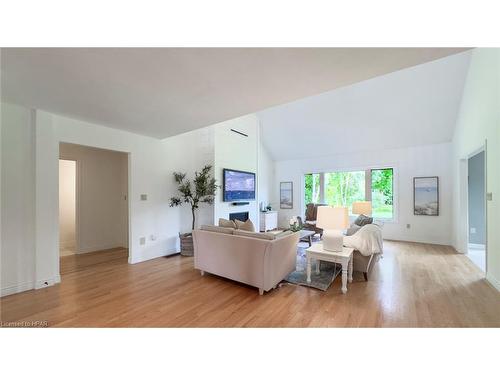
241, 216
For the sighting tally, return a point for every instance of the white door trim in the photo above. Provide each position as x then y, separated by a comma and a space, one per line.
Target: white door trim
484, 149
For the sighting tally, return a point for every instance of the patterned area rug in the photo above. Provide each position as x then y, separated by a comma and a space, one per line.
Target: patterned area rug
327, 271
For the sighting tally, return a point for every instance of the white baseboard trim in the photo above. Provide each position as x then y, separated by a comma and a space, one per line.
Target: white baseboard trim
151, 255
28, 285
476, 246
493, 281
419, 240
44, 283
18, 288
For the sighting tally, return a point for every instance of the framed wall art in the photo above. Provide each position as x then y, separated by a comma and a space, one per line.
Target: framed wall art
286, 195
426, 196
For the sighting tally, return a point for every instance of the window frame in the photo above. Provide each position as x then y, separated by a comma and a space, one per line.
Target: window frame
395, 186
393, 193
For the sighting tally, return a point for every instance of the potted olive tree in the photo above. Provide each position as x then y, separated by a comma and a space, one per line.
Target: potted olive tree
201, 190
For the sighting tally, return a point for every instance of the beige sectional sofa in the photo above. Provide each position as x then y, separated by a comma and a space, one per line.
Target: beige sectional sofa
258, 259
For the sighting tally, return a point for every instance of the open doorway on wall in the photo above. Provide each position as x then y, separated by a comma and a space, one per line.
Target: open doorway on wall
476, 209
93, 207
67, 207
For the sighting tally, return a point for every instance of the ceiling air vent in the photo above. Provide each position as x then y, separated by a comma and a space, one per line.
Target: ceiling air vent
240, 133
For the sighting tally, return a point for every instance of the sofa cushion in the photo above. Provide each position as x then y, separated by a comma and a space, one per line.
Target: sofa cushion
283, 234
215, 228
262, 236
362, 220
245, 225
227, 223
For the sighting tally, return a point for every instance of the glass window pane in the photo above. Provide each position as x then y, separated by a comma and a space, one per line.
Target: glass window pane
343, 188
311, 188
382, 193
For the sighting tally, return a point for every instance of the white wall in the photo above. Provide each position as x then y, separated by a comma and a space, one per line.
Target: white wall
432, 160
188, 153
151, 164
235, 151
479, 121
67, 207
102, 190
30, 210
17, 256
265, 177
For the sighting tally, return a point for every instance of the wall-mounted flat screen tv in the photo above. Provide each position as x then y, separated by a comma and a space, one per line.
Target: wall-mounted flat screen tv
238, 185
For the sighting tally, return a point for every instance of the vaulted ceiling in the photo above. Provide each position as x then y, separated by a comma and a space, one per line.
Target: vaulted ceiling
162, 92
410, 107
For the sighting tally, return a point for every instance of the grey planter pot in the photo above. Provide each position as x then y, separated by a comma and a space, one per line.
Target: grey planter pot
187, 246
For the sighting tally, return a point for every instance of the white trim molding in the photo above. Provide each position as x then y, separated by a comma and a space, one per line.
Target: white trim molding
476, 246
29, 285
494, 282
151, 254
18, 288
47, 282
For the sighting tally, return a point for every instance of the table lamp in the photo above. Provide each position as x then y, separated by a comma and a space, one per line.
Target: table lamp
333, 220
362, 208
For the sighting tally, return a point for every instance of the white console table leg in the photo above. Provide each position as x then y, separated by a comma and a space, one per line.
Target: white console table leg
351, 265
345, 266
317, 266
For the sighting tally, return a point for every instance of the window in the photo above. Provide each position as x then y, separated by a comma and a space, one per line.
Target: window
312, 188
382, 193
344, 188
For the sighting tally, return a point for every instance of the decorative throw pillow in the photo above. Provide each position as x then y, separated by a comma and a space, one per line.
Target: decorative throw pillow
247, 225
352, 229
214, 228
227, 223
363, 220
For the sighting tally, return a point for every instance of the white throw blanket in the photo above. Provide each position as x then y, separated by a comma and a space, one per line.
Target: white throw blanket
367, 240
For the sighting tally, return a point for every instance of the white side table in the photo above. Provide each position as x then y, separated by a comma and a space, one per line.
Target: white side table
343, 258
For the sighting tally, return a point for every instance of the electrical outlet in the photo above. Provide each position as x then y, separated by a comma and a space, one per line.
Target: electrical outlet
152, 237
408, 226
472, 230
144, 197
142, 241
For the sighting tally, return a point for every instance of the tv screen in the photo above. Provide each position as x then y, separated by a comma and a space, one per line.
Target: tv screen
238, 185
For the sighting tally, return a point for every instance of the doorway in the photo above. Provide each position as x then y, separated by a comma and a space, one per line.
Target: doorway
476, 209
67, 207
93, 207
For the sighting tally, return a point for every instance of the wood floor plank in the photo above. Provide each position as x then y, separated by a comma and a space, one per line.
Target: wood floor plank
414, 285
79, 262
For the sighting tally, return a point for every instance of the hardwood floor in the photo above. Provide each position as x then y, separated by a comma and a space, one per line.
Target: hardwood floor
79, 262
414, 285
